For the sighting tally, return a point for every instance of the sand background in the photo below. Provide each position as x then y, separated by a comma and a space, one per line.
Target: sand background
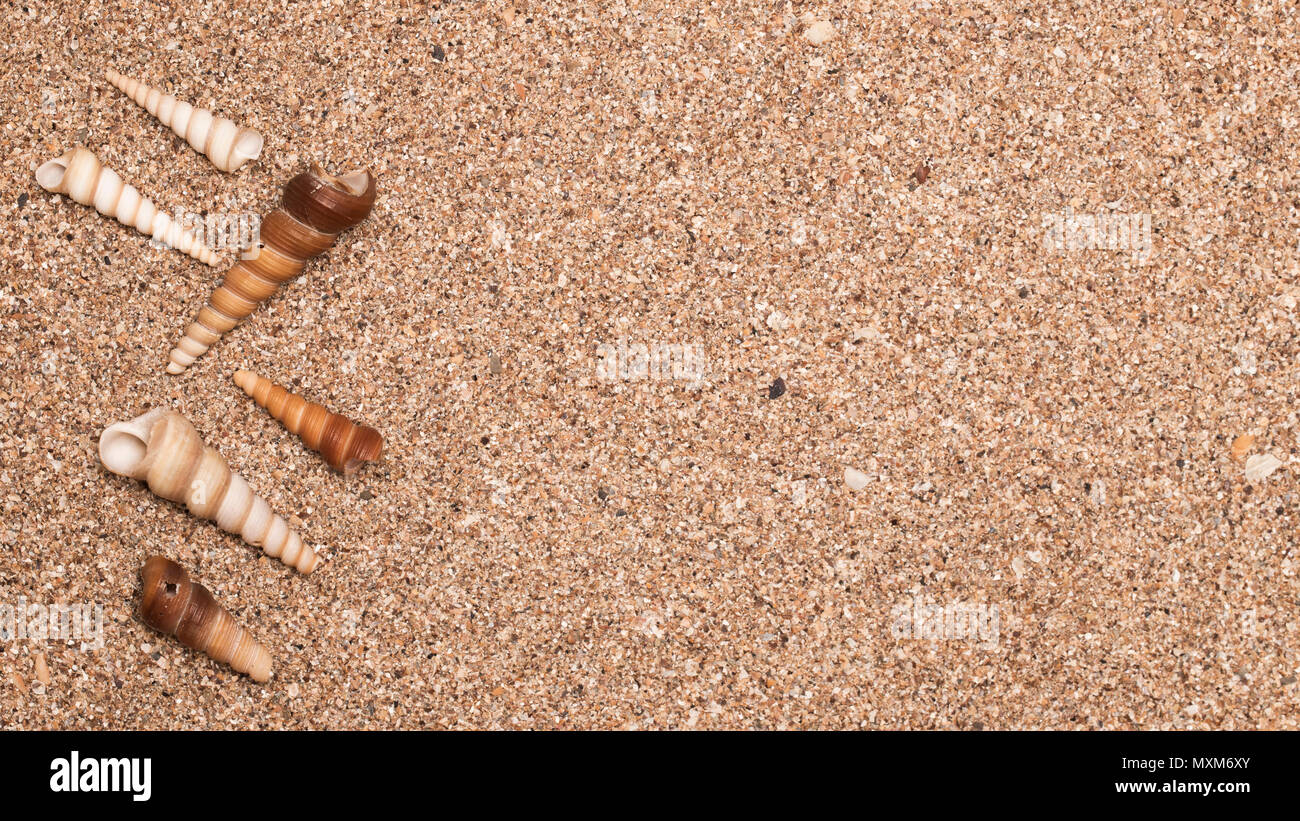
1048, 434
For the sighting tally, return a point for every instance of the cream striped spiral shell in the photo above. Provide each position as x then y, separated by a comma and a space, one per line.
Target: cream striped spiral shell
222, 141
163, 449
80, 175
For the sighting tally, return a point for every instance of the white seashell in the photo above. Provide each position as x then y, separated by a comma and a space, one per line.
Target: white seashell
80, 175
225, 143
855, 479
163, 449
1261, 465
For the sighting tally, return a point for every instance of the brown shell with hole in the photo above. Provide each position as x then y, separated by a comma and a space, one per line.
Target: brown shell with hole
315, 209
345, 445
172, 604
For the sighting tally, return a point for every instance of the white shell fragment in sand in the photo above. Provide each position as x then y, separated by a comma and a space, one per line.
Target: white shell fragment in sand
1261, 465
855, 479
820, 32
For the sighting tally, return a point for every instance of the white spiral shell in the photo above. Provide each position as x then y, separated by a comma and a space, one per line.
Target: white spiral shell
80, 175
164, 450
222, 141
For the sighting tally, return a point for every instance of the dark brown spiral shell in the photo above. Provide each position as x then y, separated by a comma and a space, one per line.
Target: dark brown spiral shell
172, 604
327, 203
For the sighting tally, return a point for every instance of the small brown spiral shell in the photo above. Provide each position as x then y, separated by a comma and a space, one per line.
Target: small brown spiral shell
172, 604
316, 208
345, 445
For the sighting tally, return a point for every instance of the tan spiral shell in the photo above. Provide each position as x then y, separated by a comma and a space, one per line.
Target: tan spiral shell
344, 444
80, 175
172, 604
227, 144
162, 448
315, 209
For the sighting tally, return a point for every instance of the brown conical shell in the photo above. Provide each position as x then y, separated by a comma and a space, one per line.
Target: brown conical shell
344, 444
172, 604
316, 208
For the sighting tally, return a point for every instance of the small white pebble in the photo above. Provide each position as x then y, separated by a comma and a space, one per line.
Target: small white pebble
1261, 465
855, 479
1097, 493
471, 519
820, 32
